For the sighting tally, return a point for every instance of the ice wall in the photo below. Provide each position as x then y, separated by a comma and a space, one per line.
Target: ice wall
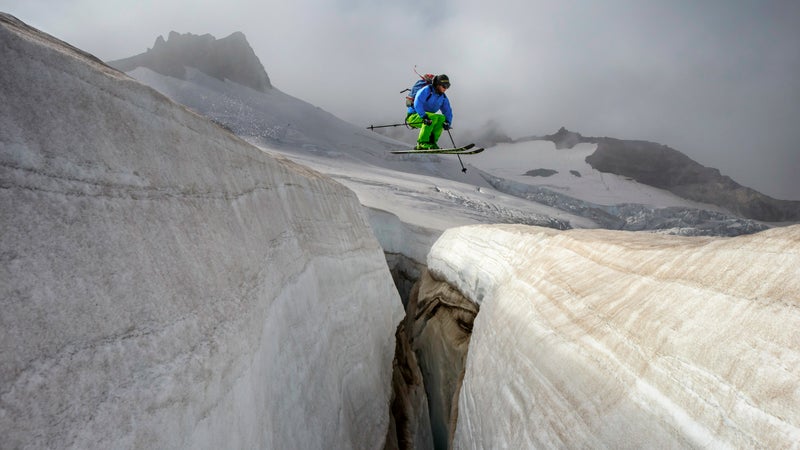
166, 285
590, 338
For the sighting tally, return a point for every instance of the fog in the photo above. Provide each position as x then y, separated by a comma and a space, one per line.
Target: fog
717, 80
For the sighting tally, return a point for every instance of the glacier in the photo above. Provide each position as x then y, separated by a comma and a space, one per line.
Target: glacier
167, 285
607, 339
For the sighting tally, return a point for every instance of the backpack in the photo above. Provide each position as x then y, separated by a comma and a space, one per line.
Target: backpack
425, 80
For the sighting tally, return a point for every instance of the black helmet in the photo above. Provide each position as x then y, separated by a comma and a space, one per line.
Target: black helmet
441, 80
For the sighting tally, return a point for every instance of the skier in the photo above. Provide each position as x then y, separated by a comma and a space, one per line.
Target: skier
423, 113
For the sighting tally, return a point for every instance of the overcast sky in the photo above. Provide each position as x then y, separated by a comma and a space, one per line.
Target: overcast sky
718, 80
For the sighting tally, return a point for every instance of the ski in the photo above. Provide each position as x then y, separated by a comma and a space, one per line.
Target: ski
441, 151
465, 150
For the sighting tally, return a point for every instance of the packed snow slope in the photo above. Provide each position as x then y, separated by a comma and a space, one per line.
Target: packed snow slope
167, 285
608, 339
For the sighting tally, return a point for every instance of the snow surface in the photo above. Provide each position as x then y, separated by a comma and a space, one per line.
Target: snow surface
603, 339
574, 177
167, 285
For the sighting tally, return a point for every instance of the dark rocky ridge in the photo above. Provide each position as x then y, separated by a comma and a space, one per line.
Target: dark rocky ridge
666, 168
229, 58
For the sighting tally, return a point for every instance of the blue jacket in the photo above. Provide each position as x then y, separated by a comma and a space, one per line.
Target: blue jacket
431, 103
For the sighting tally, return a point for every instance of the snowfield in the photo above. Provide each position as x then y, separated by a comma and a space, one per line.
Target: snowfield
574, 176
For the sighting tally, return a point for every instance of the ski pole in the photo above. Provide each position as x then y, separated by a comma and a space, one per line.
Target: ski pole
372, 127
463, 169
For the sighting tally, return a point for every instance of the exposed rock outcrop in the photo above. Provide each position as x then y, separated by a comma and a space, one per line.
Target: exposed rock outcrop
541, 173
440, 320
564, 138
227, 58
663, 167
410, 426
666, 168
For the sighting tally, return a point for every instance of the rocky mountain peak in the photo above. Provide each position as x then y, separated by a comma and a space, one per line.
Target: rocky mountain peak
229, 58
564, 138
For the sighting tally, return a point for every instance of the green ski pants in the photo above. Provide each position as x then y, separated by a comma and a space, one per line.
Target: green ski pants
429, 134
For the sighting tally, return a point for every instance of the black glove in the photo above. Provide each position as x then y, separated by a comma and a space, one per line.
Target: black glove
447, 125
427, 120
